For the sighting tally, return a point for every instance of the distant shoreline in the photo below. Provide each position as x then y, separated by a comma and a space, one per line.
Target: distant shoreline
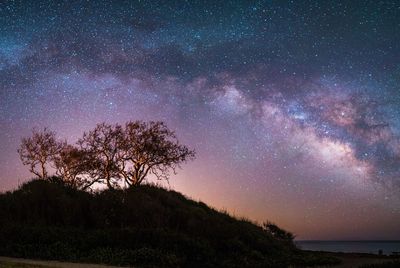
376, 241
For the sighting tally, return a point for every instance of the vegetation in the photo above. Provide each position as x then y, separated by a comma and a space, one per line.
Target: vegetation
144, 226
108, 154
62, 218
40, 149
389, 264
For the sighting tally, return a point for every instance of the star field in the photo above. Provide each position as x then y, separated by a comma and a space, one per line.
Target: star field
293, 107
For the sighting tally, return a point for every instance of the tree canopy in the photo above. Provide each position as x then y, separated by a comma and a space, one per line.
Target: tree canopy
39, 150
108, 154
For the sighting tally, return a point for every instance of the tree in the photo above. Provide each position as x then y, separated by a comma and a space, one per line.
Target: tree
39, 150
101, 147
108, 154
150, 148
71, 165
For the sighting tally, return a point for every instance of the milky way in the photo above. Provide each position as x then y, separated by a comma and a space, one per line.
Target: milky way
293, 108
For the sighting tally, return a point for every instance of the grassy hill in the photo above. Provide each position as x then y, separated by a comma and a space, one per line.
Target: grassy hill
144, 226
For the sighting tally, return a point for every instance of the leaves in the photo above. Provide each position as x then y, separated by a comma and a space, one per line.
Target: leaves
108, 154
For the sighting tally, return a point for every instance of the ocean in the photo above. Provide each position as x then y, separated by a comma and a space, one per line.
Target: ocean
387, 247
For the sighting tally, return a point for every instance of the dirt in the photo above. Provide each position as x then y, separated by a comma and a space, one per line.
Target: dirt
54, 264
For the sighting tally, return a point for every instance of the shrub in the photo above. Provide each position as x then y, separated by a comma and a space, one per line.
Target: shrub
145, 225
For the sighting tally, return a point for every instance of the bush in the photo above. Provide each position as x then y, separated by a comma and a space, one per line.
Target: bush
145, 225
390, 264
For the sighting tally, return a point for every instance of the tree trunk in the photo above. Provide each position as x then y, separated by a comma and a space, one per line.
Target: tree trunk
44, 173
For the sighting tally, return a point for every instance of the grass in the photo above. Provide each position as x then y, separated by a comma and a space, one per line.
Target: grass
389, 264
145, 226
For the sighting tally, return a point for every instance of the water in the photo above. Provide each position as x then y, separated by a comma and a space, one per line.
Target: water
351, 246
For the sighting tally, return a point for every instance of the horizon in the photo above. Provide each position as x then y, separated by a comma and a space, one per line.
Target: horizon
388, 241
293, 108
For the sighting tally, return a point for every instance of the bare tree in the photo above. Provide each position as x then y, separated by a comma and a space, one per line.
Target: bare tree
39, 150
108, 154
150, 148
72, 165
101, 147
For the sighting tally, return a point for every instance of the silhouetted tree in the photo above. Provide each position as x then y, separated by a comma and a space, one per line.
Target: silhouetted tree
150, 148
72, 165
39, 150
108, 154
102, 149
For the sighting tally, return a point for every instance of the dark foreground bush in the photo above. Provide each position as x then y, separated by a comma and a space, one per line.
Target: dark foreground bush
389, 264
310, 258
144, 226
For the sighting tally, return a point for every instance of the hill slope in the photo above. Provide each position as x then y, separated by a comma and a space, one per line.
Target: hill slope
144, 226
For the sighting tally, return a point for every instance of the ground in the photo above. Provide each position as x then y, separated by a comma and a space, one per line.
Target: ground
349, 261
6, 262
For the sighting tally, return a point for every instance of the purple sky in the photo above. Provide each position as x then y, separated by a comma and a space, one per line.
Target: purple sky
293, 108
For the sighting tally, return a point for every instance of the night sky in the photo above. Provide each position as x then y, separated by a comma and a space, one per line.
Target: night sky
293, 108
